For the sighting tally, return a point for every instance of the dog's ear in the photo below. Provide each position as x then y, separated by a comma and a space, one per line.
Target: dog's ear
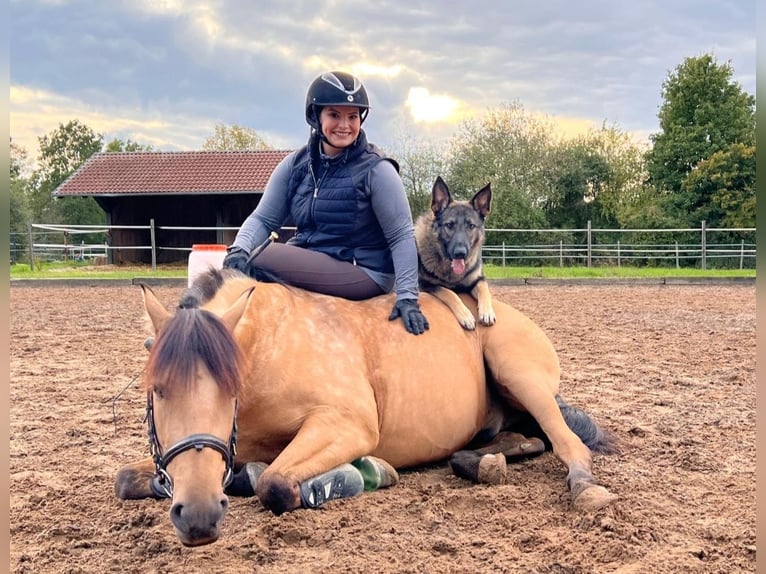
482, 201
440, 196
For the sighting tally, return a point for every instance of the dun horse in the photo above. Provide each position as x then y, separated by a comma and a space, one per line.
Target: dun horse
300, 398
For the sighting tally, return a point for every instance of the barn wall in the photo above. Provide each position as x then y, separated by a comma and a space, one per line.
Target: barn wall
173, 246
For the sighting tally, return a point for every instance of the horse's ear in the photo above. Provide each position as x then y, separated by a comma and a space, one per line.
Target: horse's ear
157, 313
233, 314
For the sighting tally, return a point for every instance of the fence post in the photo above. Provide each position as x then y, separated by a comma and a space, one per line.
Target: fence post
30, 248
561, 253
589, 243
618, 254
742, 254
704, 247
154, 246
503, 258
677, 263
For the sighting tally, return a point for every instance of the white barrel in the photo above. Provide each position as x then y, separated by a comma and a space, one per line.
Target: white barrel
202, 257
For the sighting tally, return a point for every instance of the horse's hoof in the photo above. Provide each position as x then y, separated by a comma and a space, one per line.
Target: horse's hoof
593, 498
492, 469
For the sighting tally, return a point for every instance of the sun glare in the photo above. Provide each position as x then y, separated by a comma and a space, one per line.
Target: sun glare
427, 107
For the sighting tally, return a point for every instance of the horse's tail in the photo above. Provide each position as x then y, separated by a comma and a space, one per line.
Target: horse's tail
591, 434
597, 439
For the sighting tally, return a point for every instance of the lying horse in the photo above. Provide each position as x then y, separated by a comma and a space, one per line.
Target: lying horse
304, 398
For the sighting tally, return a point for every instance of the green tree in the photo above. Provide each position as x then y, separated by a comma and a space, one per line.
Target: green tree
235, 138
598, 176
420, 162
511, 149
19, 215
118, 145
727, 178
62, 151
703, 112
581, 174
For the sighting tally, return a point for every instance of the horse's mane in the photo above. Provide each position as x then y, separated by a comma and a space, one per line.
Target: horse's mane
193, 335
207, 284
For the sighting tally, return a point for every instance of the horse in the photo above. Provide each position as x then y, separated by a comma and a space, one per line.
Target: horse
261, 389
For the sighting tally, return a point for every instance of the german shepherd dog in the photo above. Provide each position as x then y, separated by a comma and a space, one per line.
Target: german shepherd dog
449, 240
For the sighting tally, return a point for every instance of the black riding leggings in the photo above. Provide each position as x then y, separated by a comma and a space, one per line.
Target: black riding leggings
318, 272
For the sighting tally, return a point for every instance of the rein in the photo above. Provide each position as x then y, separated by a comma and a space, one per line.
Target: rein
196, 441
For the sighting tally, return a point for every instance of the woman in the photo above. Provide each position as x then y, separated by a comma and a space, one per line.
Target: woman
354, 236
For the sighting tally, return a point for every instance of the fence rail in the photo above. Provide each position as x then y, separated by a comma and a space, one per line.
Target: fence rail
686, 247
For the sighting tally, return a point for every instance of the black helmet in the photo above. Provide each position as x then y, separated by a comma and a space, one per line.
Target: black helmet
335, 89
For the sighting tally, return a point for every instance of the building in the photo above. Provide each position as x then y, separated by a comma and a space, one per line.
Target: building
164, 194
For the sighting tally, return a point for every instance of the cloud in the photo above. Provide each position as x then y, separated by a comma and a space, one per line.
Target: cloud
35, 113
186, 65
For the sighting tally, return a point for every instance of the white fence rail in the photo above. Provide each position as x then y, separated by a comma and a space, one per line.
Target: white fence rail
687, 247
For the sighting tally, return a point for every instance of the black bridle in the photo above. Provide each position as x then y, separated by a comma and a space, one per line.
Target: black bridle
196, 441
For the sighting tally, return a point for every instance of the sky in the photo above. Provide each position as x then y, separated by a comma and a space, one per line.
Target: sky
166, 72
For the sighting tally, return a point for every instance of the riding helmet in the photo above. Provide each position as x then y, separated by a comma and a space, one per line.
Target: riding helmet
335, 89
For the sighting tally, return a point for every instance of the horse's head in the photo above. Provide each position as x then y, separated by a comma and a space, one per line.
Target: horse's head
192, 381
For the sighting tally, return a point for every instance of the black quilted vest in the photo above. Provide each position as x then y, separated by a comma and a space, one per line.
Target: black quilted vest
330, 205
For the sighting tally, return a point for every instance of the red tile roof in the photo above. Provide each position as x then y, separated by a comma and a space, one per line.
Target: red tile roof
145, 172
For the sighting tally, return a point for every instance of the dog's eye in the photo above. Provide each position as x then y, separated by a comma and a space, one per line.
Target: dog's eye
449, 225
471, 226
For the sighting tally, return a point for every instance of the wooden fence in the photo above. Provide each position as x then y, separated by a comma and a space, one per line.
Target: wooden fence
701, 247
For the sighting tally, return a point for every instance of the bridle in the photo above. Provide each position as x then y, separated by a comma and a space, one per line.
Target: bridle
196, 441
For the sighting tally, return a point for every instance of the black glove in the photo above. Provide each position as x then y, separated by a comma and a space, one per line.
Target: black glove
409, 310
236, 258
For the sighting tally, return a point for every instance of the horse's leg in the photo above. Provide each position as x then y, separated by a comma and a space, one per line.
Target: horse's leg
315, 468
526, 373
487, 463
541, 403
137, 480
245, 479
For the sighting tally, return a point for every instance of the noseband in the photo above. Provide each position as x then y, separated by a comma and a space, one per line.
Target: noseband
196, 441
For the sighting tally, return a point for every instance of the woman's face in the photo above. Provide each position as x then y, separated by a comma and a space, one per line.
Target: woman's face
340, 125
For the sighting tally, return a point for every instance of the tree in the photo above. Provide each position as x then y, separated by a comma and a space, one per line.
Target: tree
580, 175
510, 149
62, 151
420, 162
118, 145
727, 178
19, 215
235, 138
703, 112
598, 176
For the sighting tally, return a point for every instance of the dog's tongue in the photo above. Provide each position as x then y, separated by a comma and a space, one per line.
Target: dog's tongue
458, 266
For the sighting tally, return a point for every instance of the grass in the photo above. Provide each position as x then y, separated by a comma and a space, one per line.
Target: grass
75, 270
497, 272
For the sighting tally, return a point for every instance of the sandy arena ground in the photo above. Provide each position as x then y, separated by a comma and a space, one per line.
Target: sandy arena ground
669, 369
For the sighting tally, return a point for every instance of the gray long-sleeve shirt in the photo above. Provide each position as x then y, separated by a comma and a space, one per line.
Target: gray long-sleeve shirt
389, 202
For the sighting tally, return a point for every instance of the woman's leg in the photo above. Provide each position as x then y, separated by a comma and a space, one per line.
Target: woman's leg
317, 272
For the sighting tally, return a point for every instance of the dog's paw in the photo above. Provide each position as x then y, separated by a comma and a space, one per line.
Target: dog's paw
487, 317
466, 320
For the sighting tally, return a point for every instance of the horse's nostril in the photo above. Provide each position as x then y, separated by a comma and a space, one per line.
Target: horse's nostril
224, 504
176, 510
